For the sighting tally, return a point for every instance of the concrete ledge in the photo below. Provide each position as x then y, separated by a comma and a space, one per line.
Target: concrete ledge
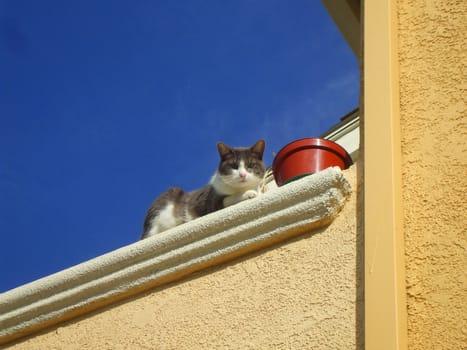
309, 203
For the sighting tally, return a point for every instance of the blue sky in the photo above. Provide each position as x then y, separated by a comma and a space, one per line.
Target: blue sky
105, 104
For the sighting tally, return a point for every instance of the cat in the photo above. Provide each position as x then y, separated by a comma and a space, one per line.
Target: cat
237, 178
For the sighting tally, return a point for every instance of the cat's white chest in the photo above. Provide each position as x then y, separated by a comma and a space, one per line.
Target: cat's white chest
239, 197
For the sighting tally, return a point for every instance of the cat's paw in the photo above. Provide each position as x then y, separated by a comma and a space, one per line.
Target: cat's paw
249, 194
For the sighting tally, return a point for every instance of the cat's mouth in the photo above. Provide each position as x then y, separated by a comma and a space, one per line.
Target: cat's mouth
246, 184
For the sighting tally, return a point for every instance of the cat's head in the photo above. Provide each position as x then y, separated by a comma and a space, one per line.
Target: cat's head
240, 168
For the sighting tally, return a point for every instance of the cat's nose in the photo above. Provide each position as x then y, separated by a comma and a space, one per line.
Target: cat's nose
242, 175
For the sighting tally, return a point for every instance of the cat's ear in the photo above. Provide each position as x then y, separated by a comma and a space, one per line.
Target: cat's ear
258, 148
224, 150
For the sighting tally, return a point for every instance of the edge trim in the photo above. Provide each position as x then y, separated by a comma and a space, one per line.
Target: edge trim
385, 290
309, 203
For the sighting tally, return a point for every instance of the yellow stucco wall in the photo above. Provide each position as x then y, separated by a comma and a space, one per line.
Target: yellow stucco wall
297, 295
432, 51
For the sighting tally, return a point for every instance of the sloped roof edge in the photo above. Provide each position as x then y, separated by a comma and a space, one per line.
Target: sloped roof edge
346, 133
347, 123
309, 203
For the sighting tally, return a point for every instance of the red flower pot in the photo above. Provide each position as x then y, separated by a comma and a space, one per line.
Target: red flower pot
308, 156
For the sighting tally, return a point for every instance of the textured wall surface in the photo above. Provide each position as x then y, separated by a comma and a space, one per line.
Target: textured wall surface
300, 294
432, 39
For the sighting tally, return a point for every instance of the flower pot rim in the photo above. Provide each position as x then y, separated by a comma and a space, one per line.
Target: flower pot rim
312, 141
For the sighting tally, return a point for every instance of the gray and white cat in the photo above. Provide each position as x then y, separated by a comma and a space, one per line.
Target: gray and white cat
237, 178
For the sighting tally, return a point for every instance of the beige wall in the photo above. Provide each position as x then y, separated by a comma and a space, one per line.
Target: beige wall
301, 294
432, 51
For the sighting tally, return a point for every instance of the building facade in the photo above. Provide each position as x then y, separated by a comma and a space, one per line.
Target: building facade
387, 273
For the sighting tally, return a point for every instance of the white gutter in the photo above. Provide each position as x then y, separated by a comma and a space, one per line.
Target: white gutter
347, 136
306, 204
